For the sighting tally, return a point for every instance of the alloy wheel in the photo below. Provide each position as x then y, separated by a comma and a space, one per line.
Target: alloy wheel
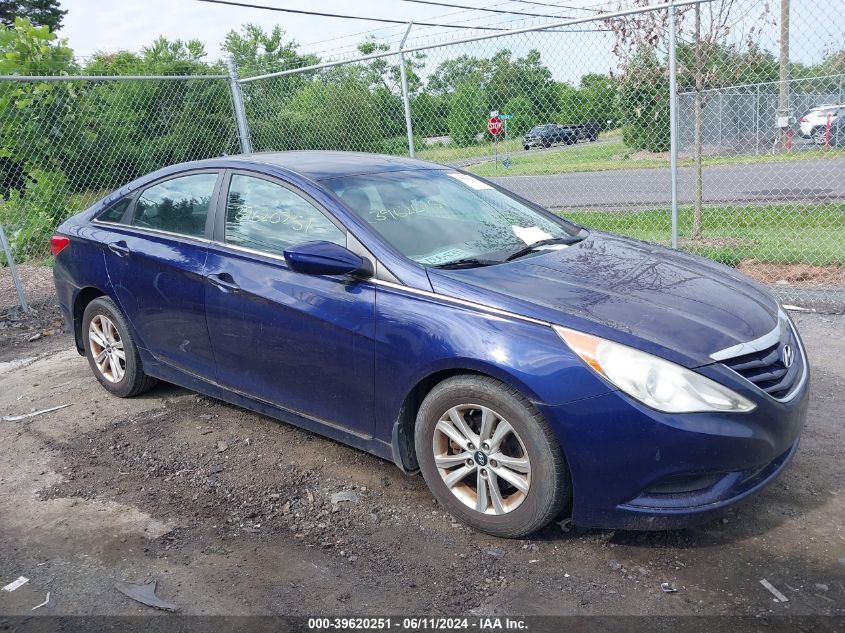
481, 459
107, 348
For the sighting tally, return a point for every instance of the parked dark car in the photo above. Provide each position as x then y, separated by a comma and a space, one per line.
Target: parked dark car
550, 134
526, 365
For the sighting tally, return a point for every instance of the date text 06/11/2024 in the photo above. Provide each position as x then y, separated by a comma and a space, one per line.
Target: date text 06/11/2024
418, 624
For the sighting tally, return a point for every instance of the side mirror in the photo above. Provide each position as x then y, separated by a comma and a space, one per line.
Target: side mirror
325, 258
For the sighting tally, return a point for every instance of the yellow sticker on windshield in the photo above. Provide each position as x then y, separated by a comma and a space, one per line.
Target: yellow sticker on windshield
469, 181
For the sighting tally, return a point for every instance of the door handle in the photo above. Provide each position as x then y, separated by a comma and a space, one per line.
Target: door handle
224, 281
119, 248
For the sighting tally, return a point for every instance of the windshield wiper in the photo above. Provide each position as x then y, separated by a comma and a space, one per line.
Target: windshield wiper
466, 262
525, 250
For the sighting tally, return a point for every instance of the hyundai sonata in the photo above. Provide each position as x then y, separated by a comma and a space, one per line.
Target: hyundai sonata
527, 366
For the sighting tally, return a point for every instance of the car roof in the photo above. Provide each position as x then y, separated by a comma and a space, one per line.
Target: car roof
321, 165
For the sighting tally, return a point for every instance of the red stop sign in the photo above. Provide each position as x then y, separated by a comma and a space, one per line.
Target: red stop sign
495, 125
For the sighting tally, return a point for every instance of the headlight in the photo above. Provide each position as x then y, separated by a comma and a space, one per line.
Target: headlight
653, 381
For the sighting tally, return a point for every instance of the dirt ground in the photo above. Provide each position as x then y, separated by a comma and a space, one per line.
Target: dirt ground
803, 274
232, 512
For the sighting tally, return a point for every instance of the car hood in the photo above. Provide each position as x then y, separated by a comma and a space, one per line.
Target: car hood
679, 306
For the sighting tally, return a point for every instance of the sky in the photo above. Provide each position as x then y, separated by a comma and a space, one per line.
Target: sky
94, 25
100, 25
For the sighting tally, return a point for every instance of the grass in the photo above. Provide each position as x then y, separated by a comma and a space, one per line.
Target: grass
446, 153
782, 234
616, 155
486, 150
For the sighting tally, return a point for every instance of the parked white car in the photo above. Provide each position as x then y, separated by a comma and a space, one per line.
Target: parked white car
813, 123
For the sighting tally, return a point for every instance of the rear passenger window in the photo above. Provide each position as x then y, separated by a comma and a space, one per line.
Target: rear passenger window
115, 212
178, 206
267, 217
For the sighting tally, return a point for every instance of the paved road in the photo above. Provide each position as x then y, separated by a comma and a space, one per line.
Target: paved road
804, 180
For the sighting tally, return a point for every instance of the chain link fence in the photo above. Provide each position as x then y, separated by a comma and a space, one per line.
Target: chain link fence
69, 141
585, 109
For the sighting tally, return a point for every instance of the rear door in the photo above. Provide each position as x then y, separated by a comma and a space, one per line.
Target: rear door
155, 259
302, 342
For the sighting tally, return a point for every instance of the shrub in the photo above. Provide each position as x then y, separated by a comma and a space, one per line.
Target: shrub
466, 115
644, 104
30, 221
398, 145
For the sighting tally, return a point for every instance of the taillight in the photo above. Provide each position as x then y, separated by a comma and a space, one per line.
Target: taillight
58, 243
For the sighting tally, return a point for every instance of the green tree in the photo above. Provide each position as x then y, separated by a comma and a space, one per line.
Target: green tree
595, 100
467, 114
131, 128
525, 76
600, 94
430, 114
256, 52
34, 117
500, 79
38, 12
450, 74
523, 115
337, 114
381, 73
32, 112
644, 103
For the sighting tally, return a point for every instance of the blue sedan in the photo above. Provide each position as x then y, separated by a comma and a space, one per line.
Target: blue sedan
527, 366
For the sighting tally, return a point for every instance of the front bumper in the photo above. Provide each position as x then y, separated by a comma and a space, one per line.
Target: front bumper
635, 468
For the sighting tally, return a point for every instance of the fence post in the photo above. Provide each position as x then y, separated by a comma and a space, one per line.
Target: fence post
10, 262
757, 122
406, 97
673, 124
238, 103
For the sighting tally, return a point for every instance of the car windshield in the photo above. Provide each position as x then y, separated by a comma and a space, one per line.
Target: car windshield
443, 217
537, 128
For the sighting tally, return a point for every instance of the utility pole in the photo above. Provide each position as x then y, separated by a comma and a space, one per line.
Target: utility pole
783, 88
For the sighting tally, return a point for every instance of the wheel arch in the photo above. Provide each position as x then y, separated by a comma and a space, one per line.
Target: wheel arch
402, 435
84, 297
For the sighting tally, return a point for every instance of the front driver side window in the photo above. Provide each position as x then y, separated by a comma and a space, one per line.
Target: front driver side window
179, 205
267, 217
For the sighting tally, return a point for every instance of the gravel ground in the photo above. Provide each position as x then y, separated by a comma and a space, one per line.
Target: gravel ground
235, 513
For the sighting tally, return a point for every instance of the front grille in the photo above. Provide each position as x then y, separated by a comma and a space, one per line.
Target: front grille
766, 369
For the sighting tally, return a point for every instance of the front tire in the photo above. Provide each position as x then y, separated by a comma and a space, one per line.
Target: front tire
490, 458
111, 350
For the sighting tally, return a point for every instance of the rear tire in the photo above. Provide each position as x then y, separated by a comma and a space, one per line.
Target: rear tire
818, 135
111, 350
490, 458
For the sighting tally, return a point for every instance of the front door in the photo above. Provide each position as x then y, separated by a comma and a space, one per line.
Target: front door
302, 342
